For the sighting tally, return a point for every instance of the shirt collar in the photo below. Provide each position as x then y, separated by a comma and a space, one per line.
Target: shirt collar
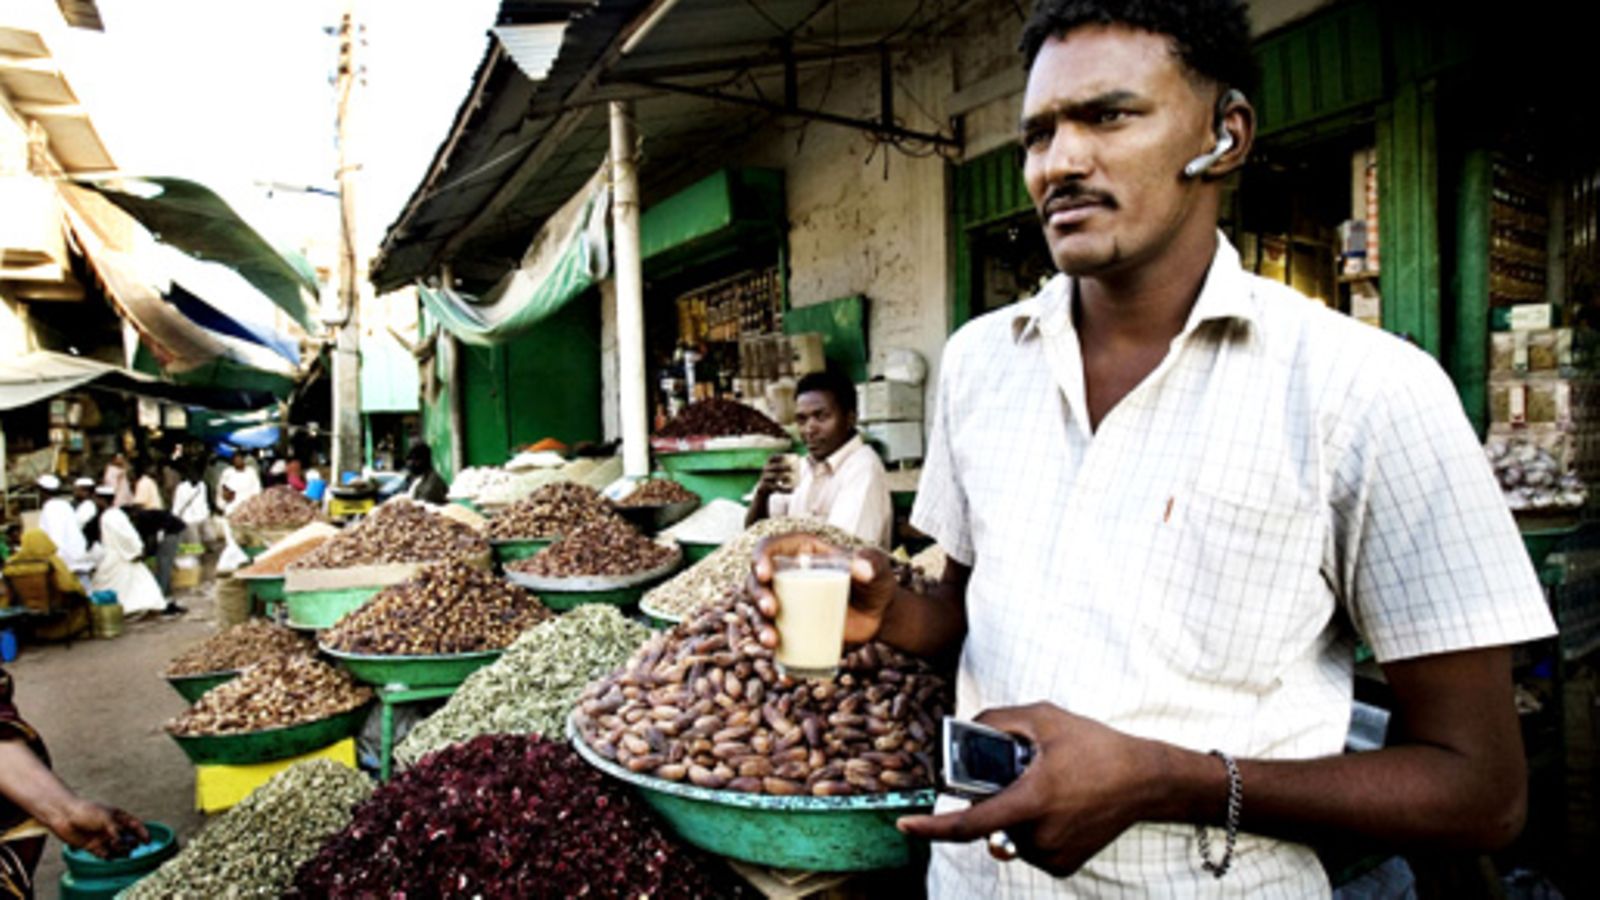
831, 464
1225, 294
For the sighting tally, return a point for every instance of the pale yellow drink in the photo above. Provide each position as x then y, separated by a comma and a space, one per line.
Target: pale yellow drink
813, 597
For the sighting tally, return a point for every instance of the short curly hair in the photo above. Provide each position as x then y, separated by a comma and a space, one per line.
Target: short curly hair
1210, 37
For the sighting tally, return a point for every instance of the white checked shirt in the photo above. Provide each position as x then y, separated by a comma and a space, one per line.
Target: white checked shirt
1190, 571
849, 490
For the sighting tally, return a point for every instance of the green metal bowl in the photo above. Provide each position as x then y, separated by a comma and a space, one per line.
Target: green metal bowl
565, 594
272, 744
511, 551
824, 834
566, 601
445, 670
264, 588
656, 518
316, 610
193, 687
85, 865
740, 459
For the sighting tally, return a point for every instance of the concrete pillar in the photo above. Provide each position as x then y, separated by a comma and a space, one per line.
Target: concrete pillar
630, 293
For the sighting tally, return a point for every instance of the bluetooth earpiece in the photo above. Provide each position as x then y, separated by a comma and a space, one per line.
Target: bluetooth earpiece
1203, 163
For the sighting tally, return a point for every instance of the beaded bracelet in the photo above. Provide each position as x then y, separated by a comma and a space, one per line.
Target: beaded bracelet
1235, 803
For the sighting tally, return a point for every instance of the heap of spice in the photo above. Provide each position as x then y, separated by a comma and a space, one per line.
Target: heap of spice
238, 647
704, 704
710, 579
551, 511
658, 492
276, 693
254, 849
717, 417
279, 506
396, 532
279, 562
505, 816
447, 607
533, 687
610, 547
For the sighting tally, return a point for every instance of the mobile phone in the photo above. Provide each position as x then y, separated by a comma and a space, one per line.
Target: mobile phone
980, 761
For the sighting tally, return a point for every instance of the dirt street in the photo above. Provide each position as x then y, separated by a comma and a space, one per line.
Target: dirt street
100, 706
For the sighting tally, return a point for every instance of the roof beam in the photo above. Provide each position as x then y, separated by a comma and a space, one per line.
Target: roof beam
540, 152
880, 128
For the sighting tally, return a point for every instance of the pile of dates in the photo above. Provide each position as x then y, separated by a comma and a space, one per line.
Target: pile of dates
705, 704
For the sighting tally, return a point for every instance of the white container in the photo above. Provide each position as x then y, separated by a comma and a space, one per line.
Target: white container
805, 354
888, 401
900, 440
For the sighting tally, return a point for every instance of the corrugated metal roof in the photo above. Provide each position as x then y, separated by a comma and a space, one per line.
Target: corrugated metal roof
508, 117
533, 48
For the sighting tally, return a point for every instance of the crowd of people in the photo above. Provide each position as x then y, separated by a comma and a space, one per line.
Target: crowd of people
97, 534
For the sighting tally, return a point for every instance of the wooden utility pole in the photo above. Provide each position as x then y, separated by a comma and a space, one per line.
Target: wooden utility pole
348, 446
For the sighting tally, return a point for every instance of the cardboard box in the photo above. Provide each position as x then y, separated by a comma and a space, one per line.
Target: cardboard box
889, 401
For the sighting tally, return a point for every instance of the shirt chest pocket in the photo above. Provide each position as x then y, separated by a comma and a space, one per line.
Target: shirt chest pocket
1239, 594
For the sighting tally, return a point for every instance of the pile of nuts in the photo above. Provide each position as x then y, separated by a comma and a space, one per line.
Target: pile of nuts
254, 849
708, 580
704, 703
447, 607
238, 647
720, 418
550, 511
610, 547
279, 506
507, 816
276, 693
533, 687
396, 532
658, 492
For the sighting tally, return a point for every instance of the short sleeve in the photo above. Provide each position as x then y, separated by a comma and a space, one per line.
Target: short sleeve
941, 507
1430, 558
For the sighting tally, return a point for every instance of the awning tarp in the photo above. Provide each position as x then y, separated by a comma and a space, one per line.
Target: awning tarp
192, 218
568, 256
43, 374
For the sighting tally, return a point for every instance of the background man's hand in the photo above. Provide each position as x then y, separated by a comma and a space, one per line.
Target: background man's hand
775, 476
1086, 785
97, 828
872, 584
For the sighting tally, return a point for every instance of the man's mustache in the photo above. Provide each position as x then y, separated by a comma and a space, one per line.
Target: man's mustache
1074, 193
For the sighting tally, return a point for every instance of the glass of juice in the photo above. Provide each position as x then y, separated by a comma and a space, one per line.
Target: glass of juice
813, 595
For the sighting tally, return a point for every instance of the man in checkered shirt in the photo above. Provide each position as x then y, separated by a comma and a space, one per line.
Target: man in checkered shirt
1172, 494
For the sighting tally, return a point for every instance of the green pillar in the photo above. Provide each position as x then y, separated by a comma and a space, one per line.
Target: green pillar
1468, 360
1408, 222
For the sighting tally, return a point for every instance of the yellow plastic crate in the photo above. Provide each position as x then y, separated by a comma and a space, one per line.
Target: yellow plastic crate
218, 787
341, 509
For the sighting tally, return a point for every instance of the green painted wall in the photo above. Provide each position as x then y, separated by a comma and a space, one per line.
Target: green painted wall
543, 384
1408, 210
984, 190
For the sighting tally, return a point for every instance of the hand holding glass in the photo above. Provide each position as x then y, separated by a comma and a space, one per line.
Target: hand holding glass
813, 597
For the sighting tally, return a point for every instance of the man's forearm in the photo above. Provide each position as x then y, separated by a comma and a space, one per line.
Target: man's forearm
26, 781
1456, 777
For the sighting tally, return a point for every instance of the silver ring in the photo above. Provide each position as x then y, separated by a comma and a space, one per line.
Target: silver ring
1001, 846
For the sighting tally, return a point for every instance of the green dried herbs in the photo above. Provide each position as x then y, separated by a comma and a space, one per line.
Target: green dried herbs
531, 689
254, 849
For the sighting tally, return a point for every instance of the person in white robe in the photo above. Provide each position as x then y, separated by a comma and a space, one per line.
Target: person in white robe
120, 568
59, 520
83, 501
239, 483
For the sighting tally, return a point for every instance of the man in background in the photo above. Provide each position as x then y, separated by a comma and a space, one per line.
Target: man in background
422, 482
59, 520
842, 481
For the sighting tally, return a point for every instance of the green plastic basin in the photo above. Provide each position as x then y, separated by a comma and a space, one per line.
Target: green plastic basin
693, 553
711, 486
273, 743
265, 588
824, 834
566, 601
254, 552
511, 551
413, 671
323, 609
85, 866
193, 687
716, 460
